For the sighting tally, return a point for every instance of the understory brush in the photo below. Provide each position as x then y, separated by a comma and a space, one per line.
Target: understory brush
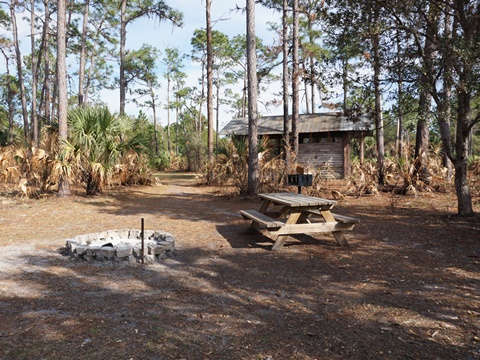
401, 176
102, 149
231, 165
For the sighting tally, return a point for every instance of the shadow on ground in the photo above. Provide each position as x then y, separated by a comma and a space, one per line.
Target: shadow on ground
408, 287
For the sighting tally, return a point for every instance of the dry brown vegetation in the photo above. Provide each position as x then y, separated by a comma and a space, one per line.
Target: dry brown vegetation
408, 286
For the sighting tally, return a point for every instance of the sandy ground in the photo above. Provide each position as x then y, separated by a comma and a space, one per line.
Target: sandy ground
407, 287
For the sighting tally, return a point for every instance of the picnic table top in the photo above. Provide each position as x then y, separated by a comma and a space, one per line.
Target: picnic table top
296, 200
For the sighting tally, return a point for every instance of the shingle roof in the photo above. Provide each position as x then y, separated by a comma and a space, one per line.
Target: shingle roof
308, 123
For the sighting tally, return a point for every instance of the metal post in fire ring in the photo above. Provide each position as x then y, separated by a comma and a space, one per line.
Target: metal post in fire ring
143, 241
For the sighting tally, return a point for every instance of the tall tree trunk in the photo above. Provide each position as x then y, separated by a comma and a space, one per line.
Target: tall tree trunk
93, 57
176, 127
253, 171
54, 94
464, 197
19, 69
10, 95
34, 118
46, 61
89, 77
295, 82
461, 179
41, 56
200, 116
425, 98
244, 97
313, 85
63, 183
345, 83
305, 86
81, 72
154, 108
312, 63
123, 37
286, 125
11, 108
470, 143
168, 113
423, 134
464, 123
399, 143
202, 97
378, 96
217, 115
447, 90
209, 92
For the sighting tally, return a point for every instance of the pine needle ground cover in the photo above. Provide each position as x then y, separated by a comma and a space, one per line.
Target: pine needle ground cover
408, 286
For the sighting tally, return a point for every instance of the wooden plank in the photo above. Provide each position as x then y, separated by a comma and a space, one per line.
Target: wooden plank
291, 229
278, 213
341, 239
263, 219
292, 219
296, 200
263, 209
264, 206
346, 154
345, 219
328, 155
337, 217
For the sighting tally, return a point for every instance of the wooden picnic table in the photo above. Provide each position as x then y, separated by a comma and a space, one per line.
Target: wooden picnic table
300, 212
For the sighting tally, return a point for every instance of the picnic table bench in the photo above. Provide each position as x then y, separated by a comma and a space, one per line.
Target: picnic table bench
301, 211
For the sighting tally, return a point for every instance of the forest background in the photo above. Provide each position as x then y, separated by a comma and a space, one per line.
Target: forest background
412, 66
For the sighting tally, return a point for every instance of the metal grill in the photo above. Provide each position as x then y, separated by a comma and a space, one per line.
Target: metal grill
299, 180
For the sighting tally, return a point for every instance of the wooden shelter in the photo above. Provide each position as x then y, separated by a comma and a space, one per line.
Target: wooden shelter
324, 138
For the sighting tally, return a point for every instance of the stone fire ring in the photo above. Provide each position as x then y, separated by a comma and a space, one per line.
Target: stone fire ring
122, 245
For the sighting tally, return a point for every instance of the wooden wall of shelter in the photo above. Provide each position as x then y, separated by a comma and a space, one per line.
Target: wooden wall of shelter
324, 139
331, 158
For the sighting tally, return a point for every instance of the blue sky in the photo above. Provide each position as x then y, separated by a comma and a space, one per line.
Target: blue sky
224, 18
162, 35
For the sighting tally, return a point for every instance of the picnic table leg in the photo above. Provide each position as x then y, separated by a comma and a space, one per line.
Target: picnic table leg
292, 219
303, 218
263, 209
341, 239
264, 206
